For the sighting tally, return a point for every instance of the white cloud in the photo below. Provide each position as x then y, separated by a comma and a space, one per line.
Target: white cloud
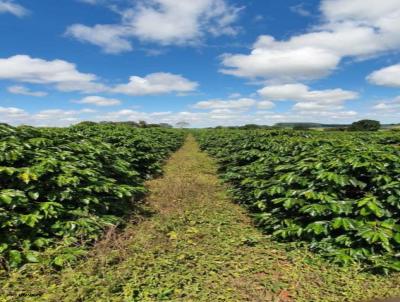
388, 76
300, 10
90, 1
25, 91
283, 92
282, 64
360, 10
62, 74
98, 101
227, 117
235, 95
182, 21
59, 114
303, 92
243, 103
214, 117
392, 105
354, 29
65, 77
265, 105
158, 114
193, 118
167, 22
10, 113
306, 99
50, 117
109, 37
326, 116
9, 6
155, 84
58, 117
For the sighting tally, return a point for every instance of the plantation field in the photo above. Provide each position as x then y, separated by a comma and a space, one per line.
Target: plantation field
70, 184
87, 214
338, 192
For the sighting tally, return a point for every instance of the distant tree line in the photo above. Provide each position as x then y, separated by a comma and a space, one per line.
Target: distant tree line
362, 125
365, 125
139, 124
245, 127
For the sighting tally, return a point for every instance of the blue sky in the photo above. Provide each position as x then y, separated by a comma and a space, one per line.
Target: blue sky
205, 62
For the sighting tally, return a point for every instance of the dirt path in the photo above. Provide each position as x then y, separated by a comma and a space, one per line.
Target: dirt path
196, 246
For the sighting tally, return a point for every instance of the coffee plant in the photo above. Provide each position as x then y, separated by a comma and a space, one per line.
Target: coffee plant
337, 192
70, 184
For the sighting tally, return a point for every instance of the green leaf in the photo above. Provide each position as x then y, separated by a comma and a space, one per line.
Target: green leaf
3, 247
33, 195
15, 258
32, 257
396, 237
30, 219
60, 260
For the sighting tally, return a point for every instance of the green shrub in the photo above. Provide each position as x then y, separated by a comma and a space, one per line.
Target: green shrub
339, 192
365, 125
70, 184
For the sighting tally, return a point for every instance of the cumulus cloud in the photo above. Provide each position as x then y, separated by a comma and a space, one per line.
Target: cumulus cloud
300, 10
62, 74
25, 91
10, 114
197, 119
307, 99
243, 103
266, 62
392, 105
155, 84
60, 114
265, 105
354, 29
360, 10
11, 7
65, 77
50, 117
326, 116
388, 76
59, 117
183, 23
229, 117
98, 101
109, 37
213, 117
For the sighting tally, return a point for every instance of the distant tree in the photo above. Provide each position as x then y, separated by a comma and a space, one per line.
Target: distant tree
165, 125
182, 124
130, 123
86, 123
250, 126
365, 125
153, 126
336, 129
300, 127
143, 124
